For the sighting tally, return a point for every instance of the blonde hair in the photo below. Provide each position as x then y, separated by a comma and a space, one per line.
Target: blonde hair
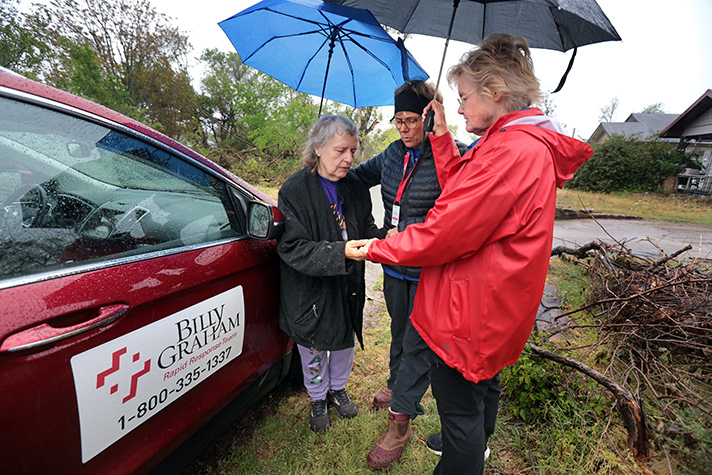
502, 63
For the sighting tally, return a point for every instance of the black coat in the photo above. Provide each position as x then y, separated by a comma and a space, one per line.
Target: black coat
322, 292
419, 195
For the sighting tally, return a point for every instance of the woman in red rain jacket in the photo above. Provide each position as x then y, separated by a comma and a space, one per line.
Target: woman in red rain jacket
485, 245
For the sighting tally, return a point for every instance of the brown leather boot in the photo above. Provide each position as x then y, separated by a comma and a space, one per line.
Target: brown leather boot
391, 445
382, 399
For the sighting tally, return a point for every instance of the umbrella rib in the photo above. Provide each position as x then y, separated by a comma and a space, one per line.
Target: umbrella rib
345, 35
279, 37
558, 32
304, 72
351, 69
366, 50
318, 25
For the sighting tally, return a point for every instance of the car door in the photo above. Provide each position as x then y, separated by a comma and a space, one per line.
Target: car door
133, 304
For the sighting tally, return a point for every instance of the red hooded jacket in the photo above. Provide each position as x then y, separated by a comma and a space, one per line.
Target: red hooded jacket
485, 245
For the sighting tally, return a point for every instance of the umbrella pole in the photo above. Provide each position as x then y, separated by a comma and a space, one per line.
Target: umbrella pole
430, 116
332, 36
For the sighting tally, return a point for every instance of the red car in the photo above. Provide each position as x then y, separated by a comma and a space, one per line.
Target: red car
139, 290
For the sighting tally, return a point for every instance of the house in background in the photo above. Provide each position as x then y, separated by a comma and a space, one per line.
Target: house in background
640, 126
693, 129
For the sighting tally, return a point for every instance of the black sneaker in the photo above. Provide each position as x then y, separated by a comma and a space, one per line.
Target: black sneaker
340, 400
435, 445
319, 420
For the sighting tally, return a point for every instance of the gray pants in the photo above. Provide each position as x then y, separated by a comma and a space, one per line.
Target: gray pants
324, 370
410, 356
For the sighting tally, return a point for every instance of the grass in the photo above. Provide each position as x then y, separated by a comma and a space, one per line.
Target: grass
675, 207
270, 191
274, 436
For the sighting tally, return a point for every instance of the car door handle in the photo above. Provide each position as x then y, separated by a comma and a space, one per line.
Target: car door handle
46, 334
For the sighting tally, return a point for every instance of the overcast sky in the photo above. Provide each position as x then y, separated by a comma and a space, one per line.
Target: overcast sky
665, 57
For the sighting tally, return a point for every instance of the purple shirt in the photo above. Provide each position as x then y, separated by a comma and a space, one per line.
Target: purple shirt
333, 197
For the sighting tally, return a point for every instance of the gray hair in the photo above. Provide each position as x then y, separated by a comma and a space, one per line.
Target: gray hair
323, 130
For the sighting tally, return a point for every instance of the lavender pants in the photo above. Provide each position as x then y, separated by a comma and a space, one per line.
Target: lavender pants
324, 370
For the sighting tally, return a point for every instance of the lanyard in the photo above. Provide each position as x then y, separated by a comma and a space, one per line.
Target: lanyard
404, 180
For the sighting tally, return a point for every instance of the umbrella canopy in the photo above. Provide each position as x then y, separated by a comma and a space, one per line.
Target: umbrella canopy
336, 52
550, 24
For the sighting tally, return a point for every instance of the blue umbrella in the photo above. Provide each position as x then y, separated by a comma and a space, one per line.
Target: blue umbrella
340, 53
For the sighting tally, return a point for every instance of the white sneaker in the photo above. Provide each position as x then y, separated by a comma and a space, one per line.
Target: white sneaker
487, 453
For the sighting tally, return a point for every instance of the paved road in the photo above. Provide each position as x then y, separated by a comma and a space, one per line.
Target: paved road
640, 236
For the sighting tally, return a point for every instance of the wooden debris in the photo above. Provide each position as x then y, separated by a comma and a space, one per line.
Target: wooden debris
657, 315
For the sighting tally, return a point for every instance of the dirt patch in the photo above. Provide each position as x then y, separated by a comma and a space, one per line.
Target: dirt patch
374, 297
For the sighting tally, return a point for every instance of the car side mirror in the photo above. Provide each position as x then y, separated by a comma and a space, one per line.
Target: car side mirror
264, 221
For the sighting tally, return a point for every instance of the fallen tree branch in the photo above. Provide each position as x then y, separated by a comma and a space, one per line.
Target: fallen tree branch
671, 256
630, 410
580, 252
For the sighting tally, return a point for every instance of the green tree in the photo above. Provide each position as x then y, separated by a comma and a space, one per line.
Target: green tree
378, 140
629, 164
657, 108
23, 44
366, 120
124, 42
257, 123
85, 77
246, 108
224, 96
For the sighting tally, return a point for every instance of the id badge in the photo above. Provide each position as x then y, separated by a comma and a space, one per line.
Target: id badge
396, 214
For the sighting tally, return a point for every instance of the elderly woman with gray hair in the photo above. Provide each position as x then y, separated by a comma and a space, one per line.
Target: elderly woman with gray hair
322, 290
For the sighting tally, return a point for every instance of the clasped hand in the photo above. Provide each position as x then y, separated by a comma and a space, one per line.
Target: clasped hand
356, 249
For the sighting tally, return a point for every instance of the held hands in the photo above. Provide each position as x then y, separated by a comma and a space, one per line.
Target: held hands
439, 124
356, 250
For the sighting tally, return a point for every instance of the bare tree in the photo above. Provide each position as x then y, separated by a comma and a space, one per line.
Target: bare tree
546, 104
608, 113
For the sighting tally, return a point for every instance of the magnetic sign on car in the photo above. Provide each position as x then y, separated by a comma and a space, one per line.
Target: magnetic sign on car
124, 382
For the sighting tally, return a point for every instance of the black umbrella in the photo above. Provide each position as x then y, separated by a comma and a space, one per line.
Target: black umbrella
559, 25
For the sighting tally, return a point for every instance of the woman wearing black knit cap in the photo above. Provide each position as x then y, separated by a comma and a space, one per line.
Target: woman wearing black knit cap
409, 187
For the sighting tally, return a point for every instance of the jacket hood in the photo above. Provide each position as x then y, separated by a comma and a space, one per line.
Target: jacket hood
568, 153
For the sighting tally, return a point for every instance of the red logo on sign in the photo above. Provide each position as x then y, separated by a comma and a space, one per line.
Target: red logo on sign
116, 366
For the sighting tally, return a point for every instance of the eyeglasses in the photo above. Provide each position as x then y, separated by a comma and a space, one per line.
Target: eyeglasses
462, 99
409, 122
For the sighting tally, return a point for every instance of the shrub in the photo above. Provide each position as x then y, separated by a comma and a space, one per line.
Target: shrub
629, 164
